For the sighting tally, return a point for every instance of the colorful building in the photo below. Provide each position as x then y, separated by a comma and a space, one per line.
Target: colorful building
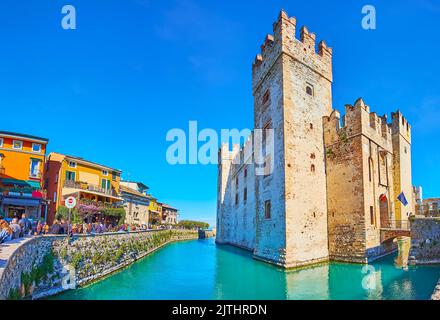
169, 214
155, 212
136, 202
92, 184
21, 170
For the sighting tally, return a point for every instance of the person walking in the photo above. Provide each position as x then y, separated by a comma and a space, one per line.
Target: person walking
46, 228
26, 225
5, 230
39, 228
16, 229
55, 228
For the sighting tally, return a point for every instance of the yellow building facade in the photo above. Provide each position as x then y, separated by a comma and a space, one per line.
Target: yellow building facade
90, 183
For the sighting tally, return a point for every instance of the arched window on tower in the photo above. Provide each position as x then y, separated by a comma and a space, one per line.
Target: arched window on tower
309, 89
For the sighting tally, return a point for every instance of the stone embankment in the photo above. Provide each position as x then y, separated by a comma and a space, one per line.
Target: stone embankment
425, 240
425, 244
32, 268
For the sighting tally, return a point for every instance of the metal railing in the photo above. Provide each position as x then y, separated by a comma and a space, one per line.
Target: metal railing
101, 204
395, 224
89, 187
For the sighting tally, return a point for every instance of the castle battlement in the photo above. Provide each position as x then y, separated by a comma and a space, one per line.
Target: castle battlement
329, 172
400, 125
239, 155
358, 120
284, 41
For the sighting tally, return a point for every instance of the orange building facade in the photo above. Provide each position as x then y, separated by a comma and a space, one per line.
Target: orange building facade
22, 159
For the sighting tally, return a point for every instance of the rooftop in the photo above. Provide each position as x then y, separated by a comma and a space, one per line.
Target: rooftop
87, 162
22, 135
125, 189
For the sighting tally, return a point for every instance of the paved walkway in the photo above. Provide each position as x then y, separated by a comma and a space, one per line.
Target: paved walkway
7, 249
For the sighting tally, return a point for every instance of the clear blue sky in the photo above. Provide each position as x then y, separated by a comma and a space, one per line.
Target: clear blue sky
110, 90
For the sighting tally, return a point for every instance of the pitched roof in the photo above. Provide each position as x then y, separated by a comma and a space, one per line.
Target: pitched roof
86, 162
166, 206
133, 192
21, 135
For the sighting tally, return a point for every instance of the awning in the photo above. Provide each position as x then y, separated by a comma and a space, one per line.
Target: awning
6, 181
34, 184
28, 183
21, 202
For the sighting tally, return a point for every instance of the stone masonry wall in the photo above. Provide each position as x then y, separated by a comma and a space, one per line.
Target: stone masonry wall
359, 171
425, 241
46, 265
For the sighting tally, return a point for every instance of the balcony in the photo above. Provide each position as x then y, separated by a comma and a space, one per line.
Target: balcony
89, 187
100, 204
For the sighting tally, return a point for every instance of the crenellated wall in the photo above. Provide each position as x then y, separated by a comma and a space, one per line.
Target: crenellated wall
359, 161
236, 220
335, 180
32, 268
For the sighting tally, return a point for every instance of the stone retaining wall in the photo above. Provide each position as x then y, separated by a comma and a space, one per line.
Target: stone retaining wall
32, 268
425, 244
425, 241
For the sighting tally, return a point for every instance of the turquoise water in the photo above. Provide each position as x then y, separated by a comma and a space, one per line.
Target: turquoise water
199, 269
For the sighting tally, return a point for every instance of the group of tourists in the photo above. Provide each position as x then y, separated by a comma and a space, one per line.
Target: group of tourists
17, 228
61, 227
20, 227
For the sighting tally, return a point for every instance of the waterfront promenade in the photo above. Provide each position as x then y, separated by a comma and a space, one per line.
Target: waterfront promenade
39, 266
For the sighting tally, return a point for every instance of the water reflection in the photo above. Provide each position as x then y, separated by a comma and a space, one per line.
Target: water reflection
201, 270
403, 245
238, 276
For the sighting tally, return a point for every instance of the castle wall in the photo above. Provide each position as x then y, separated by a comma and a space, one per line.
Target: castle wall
236, 221
359, 183
401, 138
305, 180
332, 183
270, 232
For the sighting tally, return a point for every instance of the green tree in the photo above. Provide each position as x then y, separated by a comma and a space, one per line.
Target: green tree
190, 224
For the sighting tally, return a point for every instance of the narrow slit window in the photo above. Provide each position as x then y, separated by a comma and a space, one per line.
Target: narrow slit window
309, 90
266, 97
267, 213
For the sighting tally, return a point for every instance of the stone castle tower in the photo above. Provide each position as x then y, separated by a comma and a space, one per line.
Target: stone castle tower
320, 201
292, 92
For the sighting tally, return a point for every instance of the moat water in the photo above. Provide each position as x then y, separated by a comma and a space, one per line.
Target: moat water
200, 269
